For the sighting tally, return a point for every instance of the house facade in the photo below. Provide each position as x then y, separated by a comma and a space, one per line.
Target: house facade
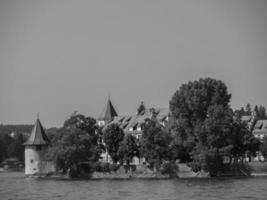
130, 124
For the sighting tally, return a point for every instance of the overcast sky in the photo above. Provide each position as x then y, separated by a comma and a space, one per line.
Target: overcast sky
61, 56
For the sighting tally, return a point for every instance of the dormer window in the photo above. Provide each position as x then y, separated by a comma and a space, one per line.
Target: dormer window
101, 123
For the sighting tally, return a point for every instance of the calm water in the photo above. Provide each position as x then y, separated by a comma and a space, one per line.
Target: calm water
15, 186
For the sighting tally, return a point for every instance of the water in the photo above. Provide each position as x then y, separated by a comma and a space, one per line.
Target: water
13, 185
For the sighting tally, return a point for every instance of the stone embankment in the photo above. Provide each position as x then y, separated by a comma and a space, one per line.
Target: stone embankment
258, 168
143, 172
184, 171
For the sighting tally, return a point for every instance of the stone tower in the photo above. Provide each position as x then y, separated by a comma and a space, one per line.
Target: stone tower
35, 150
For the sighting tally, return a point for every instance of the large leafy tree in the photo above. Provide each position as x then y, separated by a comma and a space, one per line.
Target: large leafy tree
194, 104
113, 135
193, 100
87, 124
155, 144
204, 122
75, 145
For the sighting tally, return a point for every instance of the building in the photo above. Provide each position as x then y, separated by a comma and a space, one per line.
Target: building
249, 120
131, 124
260, 129
35, 150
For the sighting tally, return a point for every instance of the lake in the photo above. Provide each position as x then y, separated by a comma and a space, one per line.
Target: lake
13, 185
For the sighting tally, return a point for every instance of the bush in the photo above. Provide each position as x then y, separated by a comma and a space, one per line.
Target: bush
168, 168
114, 167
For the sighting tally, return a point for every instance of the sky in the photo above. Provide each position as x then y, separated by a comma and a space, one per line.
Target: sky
60, 56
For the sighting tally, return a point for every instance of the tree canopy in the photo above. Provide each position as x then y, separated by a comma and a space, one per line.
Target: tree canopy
75, 144
203, 123
128, 148
113, 135
155, 143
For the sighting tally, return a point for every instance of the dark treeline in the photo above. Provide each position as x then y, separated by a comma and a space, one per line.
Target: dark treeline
7, 129
258, 111
11, 146
12, 138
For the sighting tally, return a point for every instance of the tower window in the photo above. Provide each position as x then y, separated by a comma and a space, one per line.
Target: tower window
38, 148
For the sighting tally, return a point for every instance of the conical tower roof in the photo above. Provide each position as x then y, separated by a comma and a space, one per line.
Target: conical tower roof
38, 136
108, 113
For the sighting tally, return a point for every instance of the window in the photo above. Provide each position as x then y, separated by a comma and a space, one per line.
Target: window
38, 148
31, 160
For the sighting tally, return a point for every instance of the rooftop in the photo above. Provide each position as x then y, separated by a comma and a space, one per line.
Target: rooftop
38, 136
108, 113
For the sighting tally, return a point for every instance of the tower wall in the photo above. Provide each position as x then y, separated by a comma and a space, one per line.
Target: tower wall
35, 162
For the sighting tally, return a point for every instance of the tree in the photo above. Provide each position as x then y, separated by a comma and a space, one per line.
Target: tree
75, 147
113, 135
192, 100
263, 148
262, 112
180, 145
239, 113
256, 110
128, 149
155, 144
213, 138
248, 109
87, 124
242, 141
204, 122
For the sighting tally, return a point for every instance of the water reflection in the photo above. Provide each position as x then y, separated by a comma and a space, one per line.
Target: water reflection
15, 186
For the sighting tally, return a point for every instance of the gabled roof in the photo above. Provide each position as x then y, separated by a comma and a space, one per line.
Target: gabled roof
135, 121
108, 113
260, 127
38, 136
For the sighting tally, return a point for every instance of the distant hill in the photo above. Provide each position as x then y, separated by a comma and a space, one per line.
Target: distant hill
20, 128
